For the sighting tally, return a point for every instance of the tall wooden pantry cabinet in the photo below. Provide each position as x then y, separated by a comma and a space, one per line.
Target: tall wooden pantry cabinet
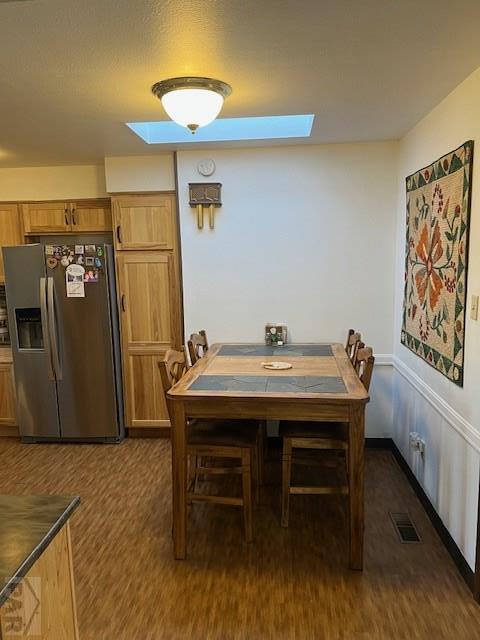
146, 238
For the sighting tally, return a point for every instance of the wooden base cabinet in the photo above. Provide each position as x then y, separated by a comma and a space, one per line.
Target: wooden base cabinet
8, 417
43, 604
144, 400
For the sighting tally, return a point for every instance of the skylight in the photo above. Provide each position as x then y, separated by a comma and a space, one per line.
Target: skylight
257, 128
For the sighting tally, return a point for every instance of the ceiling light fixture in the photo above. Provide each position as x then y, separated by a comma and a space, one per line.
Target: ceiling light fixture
192, 102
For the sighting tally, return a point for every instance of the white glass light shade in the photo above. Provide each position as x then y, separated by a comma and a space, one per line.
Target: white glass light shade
192, 108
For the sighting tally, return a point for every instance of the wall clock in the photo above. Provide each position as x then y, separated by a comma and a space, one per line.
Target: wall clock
206, 167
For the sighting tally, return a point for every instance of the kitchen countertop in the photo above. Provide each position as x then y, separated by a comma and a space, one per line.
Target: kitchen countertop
27, 525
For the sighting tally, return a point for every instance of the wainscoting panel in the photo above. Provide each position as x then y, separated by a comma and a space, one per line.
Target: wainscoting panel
449, 469
379, 415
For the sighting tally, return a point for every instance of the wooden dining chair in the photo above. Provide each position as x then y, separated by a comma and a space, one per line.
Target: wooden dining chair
197, 348
352, 345
364, 364
217, 440
197, 345
314, 436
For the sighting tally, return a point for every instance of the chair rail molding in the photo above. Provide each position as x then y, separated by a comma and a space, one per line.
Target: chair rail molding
448, 413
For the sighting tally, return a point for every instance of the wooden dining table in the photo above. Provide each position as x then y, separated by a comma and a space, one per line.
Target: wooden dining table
231, 382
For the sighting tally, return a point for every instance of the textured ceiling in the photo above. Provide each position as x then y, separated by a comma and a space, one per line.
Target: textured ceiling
73, 71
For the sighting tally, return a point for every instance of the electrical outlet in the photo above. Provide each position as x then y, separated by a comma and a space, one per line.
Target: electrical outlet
417, 443
474, 308
421, 446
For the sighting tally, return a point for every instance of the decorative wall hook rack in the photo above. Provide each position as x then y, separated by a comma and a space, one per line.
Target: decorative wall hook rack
205, 194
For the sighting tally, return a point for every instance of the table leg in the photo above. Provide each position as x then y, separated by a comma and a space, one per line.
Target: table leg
356, 484
179, 480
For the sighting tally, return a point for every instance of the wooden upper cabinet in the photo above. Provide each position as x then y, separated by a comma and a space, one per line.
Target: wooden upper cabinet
148, 299
67, 217
91, 215
144, 222
46, 217
10, 230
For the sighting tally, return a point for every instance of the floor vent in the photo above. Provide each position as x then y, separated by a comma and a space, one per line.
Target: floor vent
405, 528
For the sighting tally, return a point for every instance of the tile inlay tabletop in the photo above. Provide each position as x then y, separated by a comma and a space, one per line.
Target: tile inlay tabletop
27, 526
265, 384
290, 350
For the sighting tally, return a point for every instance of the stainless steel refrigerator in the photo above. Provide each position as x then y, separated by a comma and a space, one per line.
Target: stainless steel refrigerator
63, 321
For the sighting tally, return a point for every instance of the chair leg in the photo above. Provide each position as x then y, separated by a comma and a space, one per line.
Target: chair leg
247, 493
264, 435
192, 475
255, 453
286, 478
259, 465
203, 461
261, 456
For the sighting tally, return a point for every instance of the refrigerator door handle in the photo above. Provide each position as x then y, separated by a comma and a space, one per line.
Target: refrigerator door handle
52, 322
45, 328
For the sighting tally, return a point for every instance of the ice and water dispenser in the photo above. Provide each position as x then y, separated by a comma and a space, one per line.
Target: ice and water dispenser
29, 328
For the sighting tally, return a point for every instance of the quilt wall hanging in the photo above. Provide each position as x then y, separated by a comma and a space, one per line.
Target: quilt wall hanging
438, 214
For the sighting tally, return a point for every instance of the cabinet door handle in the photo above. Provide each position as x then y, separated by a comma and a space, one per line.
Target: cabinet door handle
73, 216
66, 217
123, 302
119, 234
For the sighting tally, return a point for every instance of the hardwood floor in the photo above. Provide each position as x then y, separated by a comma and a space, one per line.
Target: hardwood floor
290, 584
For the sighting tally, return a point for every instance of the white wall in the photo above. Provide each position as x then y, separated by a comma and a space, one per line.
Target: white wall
140, 173
52, 183
305, 236
424, 400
